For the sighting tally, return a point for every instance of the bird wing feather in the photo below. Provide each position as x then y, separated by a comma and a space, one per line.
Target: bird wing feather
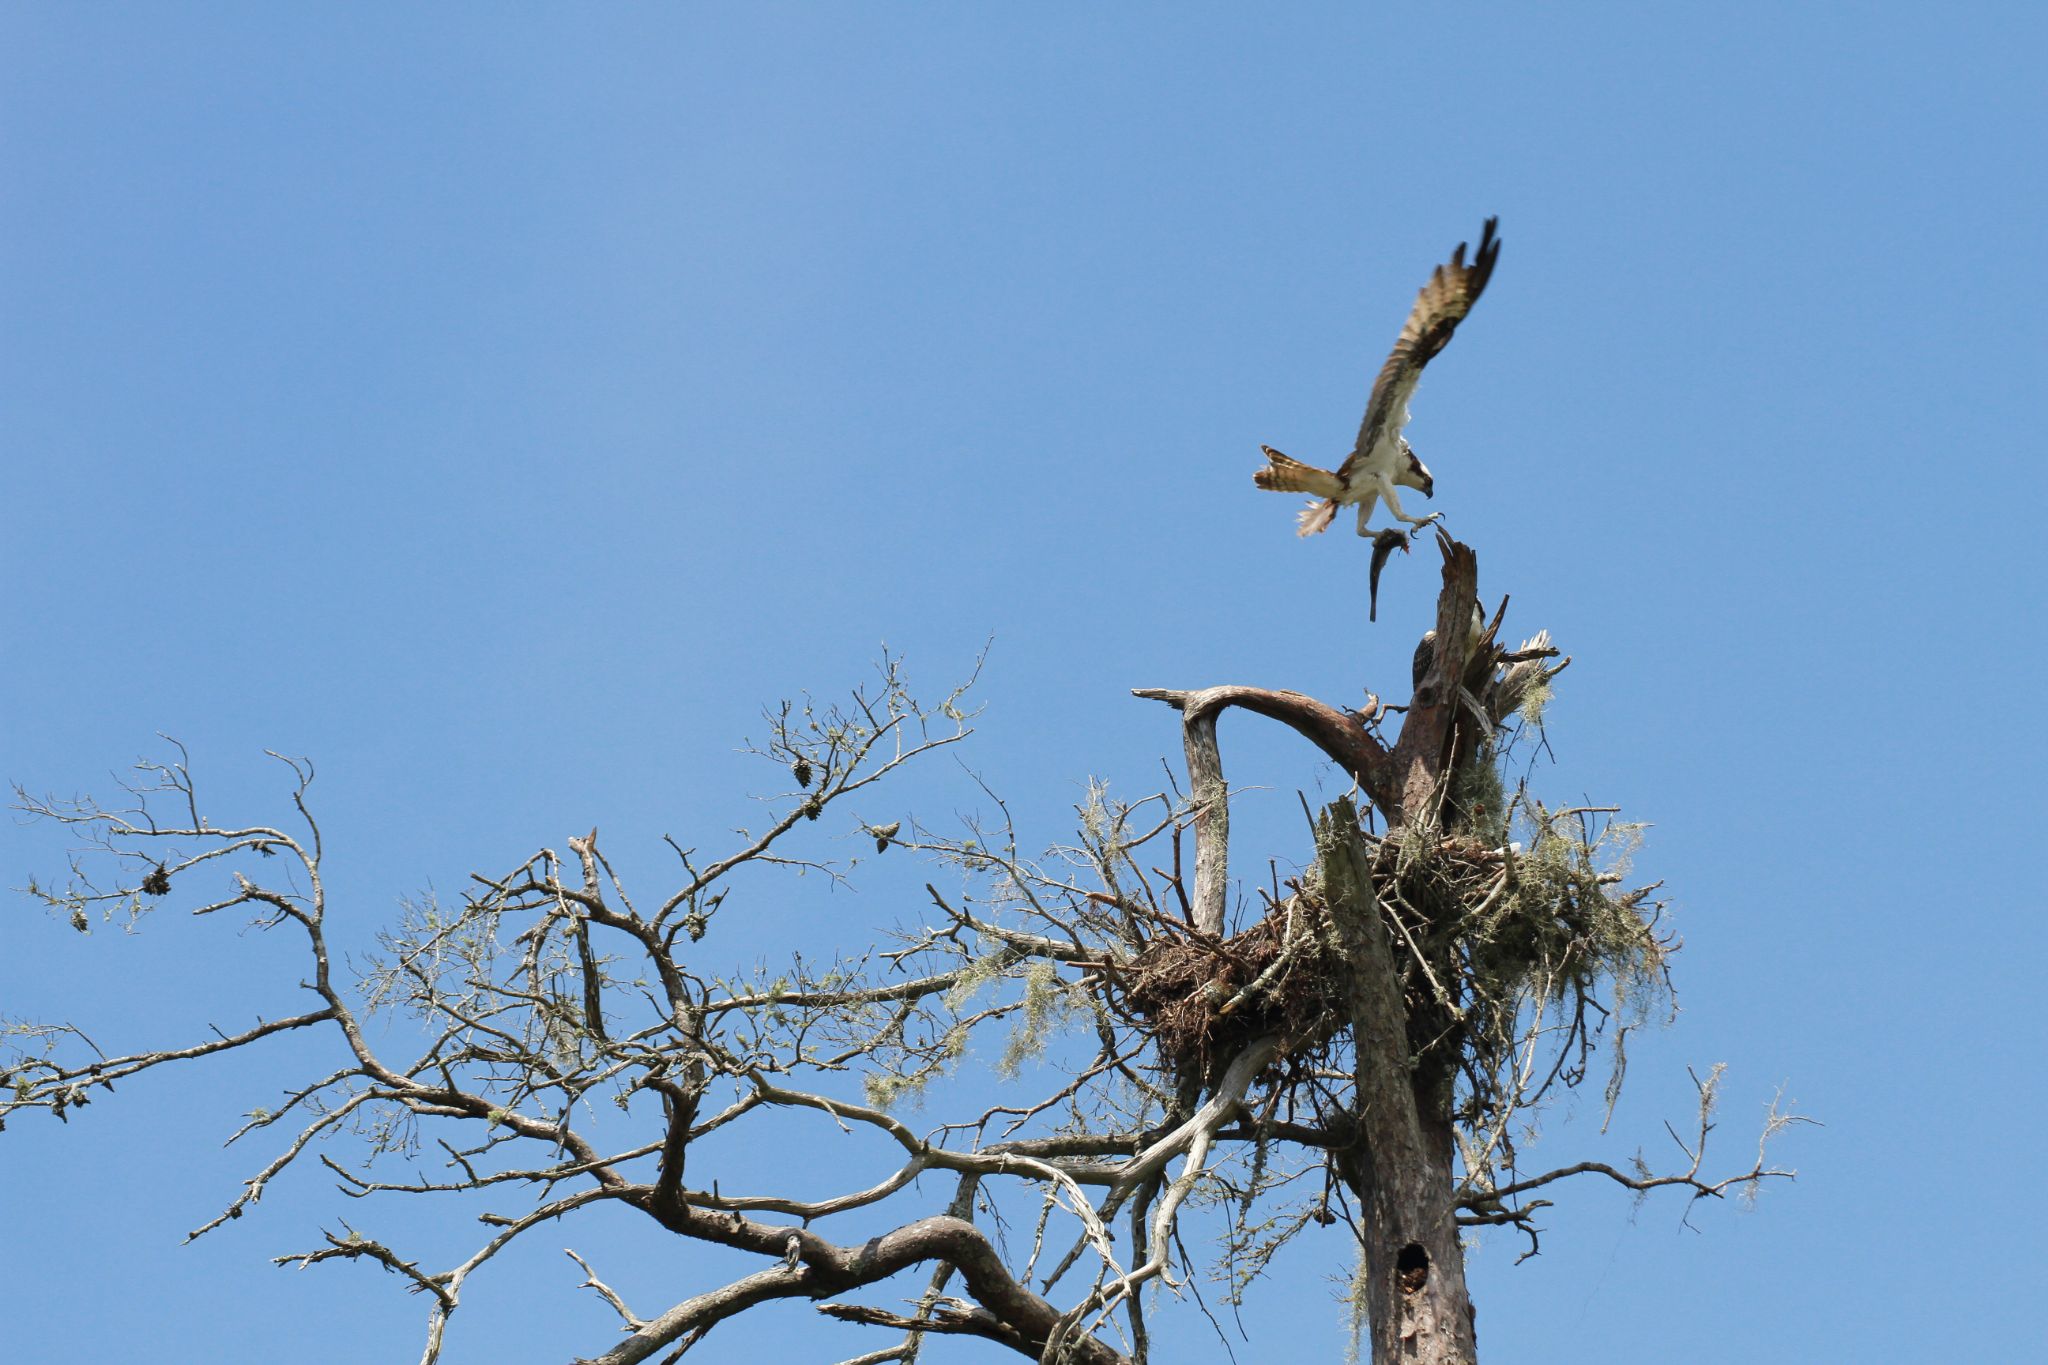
1443, 303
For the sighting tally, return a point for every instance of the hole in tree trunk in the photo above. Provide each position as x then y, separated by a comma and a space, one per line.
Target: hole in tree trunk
1411, 1267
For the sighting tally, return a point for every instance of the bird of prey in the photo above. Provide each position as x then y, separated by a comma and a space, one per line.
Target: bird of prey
1382, 457
1425, 649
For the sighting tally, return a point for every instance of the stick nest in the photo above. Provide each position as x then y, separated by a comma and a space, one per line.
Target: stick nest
1205, 998
1501, 932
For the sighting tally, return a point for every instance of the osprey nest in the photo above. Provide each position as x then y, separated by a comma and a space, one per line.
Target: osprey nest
1505, 927
1206, 998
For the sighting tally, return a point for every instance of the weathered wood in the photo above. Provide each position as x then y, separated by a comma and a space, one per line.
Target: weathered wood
1403, 784
1422, 757
1417, 1305
814, 1268
1212, 818
1339, 734
1400, 1165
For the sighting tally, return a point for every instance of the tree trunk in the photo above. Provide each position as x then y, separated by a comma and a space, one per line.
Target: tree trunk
1400, 1169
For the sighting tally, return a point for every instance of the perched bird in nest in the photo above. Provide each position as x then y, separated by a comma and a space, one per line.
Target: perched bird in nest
1382, 457
1425, 649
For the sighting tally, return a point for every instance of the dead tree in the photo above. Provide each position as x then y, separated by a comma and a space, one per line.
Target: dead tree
1403, 1010
1356, 1053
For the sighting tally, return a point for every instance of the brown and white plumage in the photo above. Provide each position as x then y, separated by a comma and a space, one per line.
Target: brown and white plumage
1425, 648
1382, 457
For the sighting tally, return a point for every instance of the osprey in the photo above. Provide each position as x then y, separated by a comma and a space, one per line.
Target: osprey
1425, 648
1382, 457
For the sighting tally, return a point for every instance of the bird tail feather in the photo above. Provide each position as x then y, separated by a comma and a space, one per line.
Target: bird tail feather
1284, 475
1315, 517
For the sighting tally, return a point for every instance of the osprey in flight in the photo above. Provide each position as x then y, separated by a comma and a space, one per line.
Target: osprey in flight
1382, 457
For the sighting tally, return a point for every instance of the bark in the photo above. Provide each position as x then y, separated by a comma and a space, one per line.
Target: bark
815, 1268
1339, 734
1400, 1167
1399, 1161
1212, 818
1405, 783
1422, 758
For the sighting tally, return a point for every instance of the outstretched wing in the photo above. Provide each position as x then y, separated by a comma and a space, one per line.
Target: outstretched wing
1452, 290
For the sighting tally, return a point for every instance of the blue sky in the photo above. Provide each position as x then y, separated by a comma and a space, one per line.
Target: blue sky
500, 403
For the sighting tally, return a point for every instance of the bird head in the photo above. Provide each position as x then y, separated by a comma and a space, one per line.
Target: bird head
1414, 473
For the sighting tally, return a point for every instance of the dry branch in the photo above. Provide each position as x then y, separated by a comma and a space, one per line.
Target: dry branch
1404, 1002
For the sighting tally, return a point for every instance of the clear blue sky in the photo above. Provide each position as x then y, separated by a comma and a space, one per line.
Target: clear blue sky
498, 403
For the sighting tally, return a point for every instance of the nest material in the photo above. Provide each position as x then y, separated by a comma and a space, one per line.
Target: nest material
1548, 914
1497, 930
1193, 992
